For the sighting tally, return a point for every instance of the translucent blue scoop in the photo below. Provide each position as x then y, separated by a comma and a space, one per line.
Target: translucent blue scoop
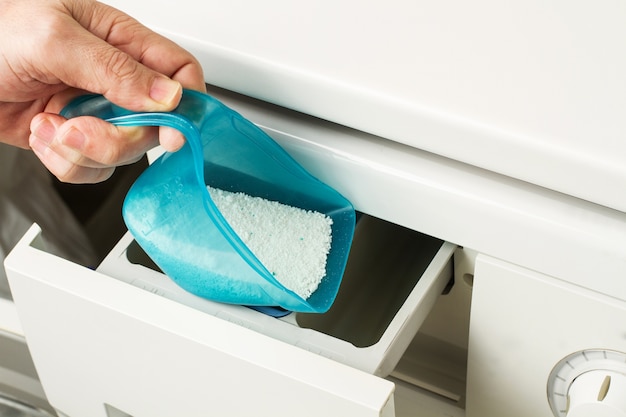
170, 213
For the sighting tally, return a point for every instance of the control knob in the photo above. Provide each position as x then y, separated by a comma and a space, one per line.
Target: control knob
589, 383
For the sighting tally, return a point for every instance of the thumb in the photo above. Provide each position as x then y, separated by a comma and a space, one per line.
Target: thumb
112, 72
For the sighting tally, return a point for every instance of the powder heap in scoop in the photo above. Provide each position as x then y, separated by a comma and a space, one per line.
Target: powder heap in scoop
290, 242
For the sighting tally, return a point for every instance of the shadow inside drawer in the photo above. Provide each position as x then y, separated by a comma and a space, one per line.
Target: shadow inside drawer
386, 262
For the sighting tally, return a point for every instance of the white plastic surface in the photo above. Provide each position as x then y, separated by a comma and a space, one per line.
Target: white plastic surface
96, 341
522, 324
566, 380
9, 320
379, 359
598, 393
532, 89
576, 380
455, 202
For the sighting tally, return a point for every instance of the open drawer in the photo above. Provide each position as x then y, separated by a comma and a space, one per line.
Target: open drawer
125, 341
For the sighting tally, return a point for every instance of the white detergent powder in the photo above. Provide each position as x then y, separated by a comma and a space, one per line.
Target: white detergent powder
290, 242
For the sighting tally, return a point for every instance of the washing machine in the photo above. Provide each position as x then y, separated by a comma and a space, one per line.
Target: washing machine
489, 136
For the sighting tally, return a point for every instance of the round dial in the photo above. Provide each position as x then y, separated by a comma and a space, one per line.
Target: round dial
589, 383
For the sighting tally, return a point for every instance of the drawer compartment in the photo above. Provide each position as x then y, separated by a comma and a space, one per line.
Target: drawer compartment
392, 279
102, 347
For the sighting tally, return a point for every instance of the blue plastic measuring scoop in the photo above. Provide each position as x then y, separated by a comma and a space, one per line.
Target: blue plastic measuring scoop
171, 215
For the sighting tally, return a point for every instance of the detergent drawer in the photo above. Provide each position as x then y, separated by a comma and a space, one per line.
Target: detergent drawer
106, 346
393, 277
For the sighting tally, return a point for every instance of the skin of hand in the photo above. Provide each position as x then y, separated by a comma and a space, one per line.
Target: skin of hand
54, 50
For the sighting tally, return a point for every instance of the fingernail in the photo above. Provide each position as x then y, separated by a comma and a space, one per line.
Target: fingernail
44, 131
165, 91
74, 138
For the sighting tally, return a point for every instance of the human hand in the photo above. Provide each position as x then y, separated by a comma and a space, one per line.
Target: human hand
55, 50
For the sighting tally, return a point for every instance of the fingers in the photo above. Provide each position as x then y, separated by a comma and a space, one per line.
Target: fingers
144, 45
15, 120
94, 47
170, 139
113, 73
134, 58
118, 57
86, 149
